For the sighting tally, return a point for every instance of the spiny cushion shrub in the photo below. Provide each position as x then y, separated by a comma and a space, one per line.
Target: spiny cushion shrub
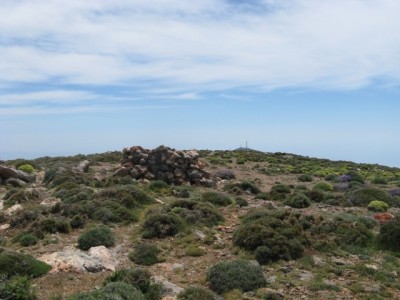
158, 185
145, 254
281, 231
27, 168
78, 221
351, 176
298, 200
279, 191
236, 274
16, 288
363, 196
136, 277
161, 225
193, 250
322, 186
113, 290
346, 230
379, 180
99, 236
378, 206
14, 263
215, 198
262, 196
389, 235
304, 178
194, 212
196, 292
28, 240
241, 202
75, 194
245, 186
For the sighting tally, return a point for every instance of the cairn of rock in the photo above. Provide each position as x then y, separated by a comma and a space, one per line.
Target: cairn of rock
164, 163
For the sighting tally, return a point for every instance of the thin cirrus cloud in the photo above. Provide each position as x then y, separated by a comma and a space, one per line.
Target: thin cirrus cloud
196, 46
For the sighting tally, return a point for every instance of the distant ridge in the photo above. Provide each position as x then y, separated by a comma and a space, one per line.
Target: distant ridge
245, 149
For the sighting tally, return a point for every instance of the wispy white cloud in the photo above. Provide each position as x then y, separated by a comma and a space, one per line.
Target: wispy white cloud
206, 45
57, 96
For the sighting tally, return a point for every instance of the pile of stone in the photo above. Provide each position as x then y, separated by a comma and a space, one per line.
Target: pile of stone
164, 163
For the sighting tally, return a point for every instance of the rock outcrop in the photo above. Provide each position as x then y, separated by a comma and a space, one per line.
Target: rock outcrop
95, 260
164, 163
7, 173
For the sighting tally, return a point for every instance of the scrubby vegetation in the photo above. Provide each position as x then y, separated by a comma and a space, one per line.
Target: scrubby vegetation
237, 274
320, 229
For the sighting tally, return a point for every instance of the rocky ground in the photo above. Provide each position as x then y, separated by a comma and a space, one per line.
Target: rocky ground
341, 272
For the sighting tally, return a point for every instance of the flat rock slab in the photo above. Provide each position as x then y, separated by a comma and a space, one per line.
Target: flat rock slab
95, 260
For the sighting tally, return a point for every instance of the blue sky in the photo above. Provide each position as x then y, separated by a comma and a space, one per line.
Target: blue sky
318, 78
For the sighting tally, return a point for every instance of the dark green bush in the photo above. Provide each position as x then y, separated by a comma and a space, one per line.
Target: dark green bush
298, 201
363, 196
196, 293
158, 185
322, 186
16, 288
279, 192
315, 195
13, 263
215, 198
161, 225
281, 231
136, 277
99, 236
241, 202
194, 212
262, 196
78, 221
355, 176
145, 254
245, 186
379, 180
389, 235
304, 178
112, 291
28, 240
236, 274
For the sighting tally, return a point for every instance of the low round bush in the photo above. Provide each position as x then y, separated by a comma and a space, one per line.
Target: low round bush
28, 240
26, 168
16, 288
99, 236
389, 235
196, 293
378, 206
241, 202
161, 225
279, 191
304, 178
298, 201
217, 199
112, 291
281, 231
363, 196
322, 186
379, 180
158, 185
136, 277
236, 274
14, 263
145, 254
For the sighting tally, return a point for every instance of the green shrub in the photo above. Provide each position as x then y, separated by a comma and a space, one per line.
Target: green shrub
28, 240
298, 201
389, 235
236, 274
304, 178
145, 254
315, 195
63, 226
78, 221
215, 198
99, 236
363, 196
196, 293
279, 192
136, 277
241, 202
193, 250
161, 225
378, 206
16, 288
355, 176
13, 263
113, 290
245, 186
281, 231
322, 186
26, 168
158, 185
262, 196
379, 180
194, 212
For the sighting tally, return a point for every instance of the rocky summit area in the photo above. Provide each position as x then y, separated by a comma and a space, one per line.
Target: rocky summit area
184, 224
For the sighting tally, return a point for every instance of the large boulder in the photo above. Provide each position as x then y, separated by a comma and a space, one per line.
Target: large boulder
8, 173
